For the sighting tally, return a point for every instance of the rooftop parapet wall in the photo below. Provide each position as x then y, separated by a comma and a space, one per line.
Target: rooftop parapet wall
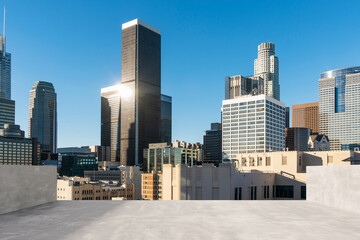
26, 186
334, 186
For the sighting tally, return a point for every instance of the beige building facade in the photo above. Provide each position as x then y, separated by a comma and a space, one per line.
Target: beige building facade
306, 115
77, 188
151, 184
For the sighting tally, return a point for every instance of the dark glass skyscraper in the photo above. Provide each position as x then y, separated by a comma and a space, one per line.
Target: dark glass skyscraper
110, 120
212, 144
43, 116
166, 116
141, 83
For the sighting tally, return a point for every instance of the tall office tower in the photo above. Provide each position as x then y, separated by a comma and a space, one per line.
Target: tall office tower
43, 116
339, 107
267, 67
111, 120
306, 116
212, 144
5, 68
287, 117
141, 77
252, 124
166, 118
296, 138
237, 86
7, 112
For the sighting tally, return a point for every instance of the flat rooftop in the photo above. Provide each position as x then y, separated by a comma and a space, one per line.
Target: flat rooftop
180, 220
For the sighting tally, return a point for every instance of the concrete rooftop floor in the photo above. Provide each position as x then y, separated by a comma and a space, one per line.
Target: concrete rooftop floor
180, 220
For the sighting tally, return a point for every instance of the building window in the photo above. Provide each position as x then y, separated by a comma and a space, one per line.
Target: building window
303, 192
268, 161
284, 160
330, 159
284, 191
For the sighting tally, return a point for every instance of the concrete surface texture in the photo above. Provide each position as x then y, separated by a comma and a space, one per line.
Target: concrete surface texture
180, 220
26, 186
335, 186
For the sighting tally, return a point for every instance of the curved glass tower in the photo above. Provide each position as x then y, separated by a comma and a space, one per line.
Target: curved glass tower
339, 107
43, 116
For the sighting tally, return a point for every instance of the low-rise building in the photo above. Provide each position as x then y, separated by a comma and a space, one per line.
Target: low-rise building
151, 184
319, 142
78, 188
293, 163
178, 153
225, 182
75, 165
15, 149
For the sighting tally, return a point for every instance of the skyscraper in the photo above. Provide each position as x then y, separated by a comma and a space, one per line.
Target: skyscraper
212, 144
141, 79
5, 68
339, 107
306, 116
110, 120
166, 118
267, 67
43, 116
237, 86
252, 124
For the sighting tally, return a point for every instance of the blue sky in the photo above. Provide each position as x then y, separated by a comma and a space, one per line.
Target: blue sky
76, 45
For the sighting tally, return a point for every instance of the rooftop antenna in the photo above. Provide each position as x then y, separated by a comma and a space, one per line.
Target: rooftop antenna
3, 43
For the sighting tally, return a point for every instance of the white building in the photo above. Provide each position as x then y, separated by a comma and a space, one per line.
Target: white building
266, 66
318, 143
252, 124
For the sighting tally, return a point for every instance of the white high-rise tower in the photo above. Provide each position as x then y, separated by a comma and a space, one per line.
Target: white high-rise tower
266, 66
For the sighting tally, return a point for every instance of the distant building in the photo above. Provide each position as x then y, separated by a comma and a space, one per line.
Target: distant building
43, 116
166, 118
319, 142
101, 152
5, 69
212, 144
293, 164
7, 111
77, 188
111, 120
252, 124
95, 175
287, 117
339, 107
238, 86
296, 138
266, 66
151, 185
178, 153
141, 80
15, 149
208, 182
306, 116
75, 165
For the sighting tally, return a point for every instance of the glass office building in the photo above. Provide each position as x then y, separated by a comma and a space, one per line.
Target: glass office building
43, 116
7, 112
212, 144
110, 120
339, 107
5, 70
141, 77
166, 118
252, 124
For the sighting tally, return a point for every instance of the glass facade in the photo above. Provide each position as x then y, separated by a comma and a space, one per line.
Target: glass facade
7, 112
43, 116
252, 124
110, 120
76, 165
5, 75
339, 111
212, 144
154, 158
141, 76
166, 118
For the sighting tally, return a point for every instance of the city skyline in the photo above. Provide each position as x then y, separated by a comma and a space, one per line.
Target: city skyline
218, 61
